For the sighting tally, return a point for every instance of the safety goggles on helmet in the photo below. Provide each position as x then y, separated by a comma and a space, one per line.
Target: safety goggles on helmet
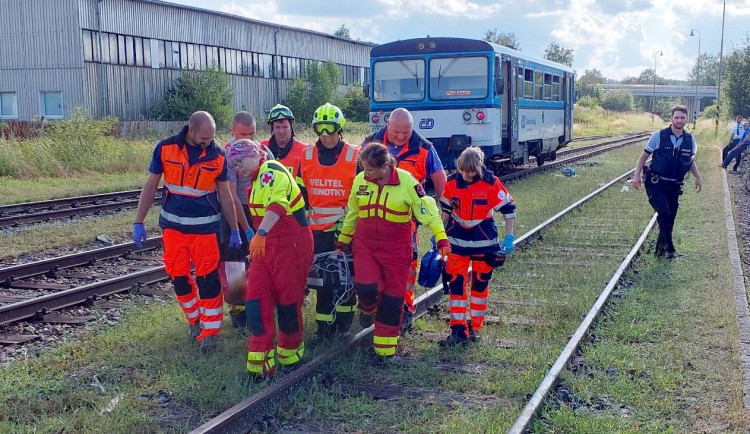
280, 112
325, 128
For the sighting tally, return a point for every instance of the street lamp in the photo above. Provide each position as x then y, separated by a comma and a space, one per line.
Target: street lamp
653, 98
697, 74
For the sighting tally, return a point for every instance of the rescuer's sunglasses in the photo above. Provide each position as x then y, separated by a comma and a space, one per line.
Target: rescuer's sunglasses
321, 129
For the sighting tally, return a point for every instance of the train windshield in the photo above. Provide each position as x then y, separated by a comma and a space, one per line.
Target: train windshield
458, 78
399, 80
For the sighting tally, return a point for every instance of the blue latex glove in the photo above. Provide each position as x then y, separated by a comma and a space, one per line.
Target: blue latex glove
507, 247
235, 241
139, 234
249, 234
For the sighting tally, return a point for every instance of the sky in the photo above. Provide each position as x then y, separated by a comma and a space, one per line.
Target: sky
620, 38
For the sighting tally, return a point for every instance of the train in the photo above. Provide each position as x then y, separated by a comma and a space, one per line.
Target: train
465, 92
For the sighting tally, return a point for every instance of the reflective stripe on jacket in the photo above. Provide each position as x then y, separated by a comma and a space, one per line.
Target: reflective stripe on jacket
471, 227
274, 189
381, 212
413, 155
328, 187
190, 203
293, 159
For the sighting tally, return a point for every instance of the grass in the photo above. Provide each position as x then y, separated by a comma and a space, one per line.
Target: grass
590, 121
150, 351
668, 351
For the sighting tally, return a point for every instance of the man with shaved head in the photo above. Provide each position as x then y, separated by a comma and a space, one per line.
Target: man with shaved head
196, 191
416, 155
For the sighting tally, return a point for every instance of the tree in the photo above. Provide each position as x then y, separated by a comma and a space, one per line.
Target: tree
206, 90
502, 38
588, 84
343, 32
557, 53
354, 104
617, 100
319, 88
735, 89
706, 73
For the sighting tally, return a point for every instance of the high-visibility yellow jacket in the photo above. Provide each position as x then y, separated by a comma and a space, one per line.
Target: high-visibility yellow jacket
385, 213
274, 189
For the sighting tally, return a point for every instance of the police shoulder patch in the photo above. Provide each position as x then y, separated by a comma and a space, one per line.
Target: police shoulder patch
266, 178
420, 190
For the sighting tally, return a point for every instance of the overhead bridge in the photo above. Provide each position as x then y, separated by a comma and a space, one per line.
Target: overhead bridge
696, 97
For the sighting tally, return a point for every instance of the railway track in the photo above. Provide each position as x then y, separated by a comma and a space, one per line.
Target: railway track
57, 289
57, 209
245, 413
44, 211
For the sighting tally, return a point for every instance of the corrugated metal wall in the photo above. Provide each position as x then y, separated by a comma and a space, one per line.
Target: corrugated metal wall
131, 92
184, 24
40, 50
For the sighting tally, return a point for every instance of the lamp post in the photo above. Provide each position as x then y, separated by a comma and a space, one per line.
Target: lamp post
721, 51
697, 75
653, 98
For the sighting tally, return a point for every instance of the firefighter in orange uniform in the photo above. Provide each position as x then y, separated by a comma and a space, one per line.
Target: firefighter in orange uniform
287, 150
469, 202
282, 253
328, 170
378, 225
196, 191
416, 155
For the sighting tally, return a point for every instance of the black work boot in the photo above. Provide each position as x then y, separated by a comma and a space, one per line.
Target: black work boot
408, 320
365, 320
195, 330
474, 335
239, 320
458, 336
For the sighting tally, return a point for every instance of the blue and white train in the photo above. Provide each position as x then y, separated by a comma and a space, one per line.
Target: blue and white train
512, 105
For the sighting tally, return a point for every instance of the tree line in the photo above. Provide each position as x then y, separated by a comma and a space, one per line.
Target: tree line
210, 90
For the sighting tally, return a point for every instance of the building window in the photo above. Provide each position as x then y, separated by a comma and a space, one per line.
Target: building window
8, 105
52, 104
88, 46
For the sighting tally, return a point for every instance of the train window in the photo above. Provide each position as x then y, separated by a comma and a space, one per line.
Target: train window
399, 80
459, 77
548, 87
528, 83
556, 88
538, 84
519, 83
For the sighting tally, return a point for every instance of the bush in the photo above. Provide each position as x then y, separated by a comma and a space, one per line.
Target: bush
617, 100
354, 104
710, 112
72, 146
206, 90
588, 101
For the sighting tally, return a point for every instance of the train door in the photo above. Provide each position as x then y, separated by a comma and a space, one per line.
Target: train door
510, 100
569, 99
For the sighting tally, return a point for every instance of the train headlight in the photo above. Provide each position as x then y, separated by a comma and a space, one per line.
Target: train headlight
467, 116
480, 116
386, 117
375, 119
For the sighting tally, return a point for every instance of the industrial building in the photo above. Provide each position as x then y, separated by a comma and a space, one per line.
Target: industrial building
118, 57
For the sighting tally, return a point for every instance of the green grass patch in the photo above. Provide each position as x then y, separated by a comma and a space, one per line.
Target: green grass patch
668, 350
427, 392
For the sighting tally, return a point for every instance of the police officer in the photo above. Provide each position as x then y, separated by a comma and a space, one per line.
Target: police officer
672, 152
